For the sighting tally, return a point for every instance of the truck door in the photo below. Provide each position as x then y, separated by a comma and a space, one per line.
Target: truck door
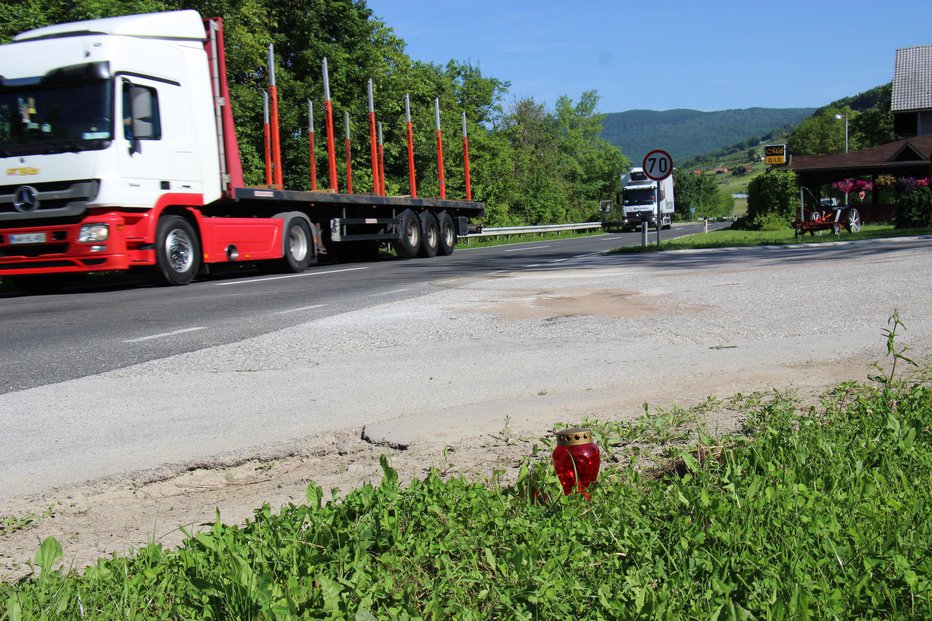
143, 152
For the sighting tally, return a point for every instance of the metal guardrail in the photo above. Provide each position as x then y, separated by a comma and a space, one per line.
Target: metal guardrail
508, 231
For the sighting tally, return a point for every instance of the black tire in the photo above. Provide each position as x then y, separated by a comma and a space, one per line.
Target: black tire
299, 248
409, 242
447, 234
430, 235
177, 251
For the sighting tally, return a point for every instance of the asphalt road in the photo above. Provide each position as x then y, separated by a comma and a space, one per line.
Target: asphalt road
117, 322
109, 382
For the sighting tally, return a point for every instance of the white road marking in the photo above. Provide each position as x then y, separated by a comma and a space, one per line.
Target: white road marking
389, 292
299, 309
303, 274
526, 248
163, 335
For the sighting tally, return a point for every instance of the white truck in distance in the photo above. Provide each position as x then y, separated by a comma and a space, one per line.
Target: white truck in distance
638, 202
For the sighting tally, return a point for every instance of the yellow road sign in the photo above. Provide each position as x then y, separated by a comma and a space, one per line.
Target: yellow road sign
775, 154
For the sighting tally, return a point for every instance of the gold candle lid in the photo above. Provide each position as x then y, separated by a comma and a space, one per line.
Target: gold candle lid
574, 435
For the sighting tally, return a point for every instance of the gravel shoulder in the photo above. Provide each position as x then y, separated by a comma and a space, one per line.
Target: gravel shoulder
464, 378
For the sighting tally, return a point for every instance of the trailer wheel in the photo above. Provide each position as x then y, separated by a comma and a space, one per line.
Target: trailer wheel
447, 234
409, 242
177, 251
430, 237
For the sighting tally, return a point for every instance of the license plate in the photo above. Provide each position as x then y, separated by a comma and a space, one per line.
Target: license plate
27, 238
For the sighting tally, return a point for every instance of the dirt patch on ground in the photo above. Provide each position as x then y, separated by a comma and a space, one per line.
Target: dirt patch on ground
551, 304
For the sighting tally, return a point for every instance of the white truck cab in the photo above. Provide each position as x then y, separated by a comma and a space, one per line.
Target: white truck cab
639, 200
109, 112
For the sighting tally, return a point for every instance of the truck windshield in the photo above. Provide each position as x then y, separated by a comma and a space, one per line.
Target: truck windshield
54, 116
643, 196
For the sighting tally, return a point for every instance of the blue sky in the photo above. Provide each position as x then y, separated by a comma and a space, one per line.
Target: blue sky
664, 55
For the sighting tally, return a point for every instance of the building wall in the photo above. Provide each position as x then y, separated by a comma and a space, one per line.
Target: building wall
924, 123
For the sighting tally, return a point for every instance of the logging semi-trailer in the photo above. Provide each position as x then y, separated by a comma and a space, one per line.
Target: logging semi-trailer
119, 152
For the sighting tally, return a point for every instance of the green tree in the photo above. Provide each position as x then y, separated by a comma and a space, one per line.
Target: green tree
823, 134
875, 125
773, 200
20, 15
532, 133
589, 164
700, 193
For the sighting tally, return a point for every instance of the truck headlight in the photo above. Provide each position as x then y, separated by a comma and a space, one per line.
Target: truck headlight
93, 233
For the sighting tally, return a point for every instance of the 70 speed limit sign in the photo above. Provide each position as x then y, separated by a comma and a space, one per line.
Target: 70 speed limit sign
658, 165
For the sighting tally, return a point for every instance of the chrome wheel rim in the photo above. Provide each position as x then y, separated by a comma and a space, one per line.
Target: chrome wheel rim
178, 249
297, 243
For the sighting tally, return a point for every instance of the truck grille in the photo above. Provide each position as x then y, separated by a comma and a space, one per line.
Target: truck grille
38, 201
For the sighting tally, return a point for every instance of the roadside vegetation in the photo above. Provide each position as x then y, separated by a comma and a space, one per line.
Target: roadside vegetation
734, 238
810, 511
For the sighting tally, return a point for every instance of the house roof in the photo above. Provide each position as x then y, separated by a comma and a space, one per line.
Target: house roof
909, 152
912, 79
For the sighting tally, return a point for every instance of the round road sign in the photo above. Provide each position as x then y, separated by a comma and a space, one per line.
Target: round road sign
658, 165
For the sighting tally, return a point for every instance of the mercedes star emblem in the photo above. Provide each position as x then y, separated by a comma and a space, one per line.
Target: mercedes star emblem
25, 199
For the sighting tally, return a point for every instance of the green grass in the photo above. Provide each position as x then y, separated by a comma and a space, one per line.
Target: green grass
818, 512
729, 238
483, 242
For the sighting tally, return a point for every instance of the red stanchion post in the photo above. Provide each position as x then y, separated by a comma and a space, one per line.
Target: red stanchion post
466, 160
331, 149
276, 137
443, 188
312, 155
412, 181
373, 147
381, 162
349, 155
267, 138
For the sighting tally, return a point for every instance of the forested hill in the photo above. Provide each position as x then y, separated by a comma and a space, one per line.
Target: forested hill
687, 133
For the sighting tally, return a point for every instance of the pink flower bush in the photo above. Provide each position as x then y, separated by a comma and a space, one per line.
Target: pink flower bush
855, 185
845, 185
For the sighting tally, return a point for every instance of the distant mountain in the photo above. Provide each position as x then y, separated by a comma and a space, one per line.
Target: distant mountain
687, 133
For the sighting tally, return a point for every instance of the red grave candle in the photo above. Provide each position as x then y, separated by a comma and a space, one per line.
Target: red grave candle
576, 459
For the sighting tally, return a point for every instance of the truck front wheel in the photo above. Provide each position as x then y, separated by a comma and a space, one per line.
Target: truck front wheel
177, 251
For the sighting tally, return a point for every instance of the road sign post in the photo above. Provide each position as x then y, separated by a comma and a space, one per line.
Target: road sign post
658, 165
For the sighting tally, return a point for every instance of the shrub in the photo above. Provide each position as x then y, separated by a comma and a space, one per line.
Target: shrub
773, 200
914, 209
